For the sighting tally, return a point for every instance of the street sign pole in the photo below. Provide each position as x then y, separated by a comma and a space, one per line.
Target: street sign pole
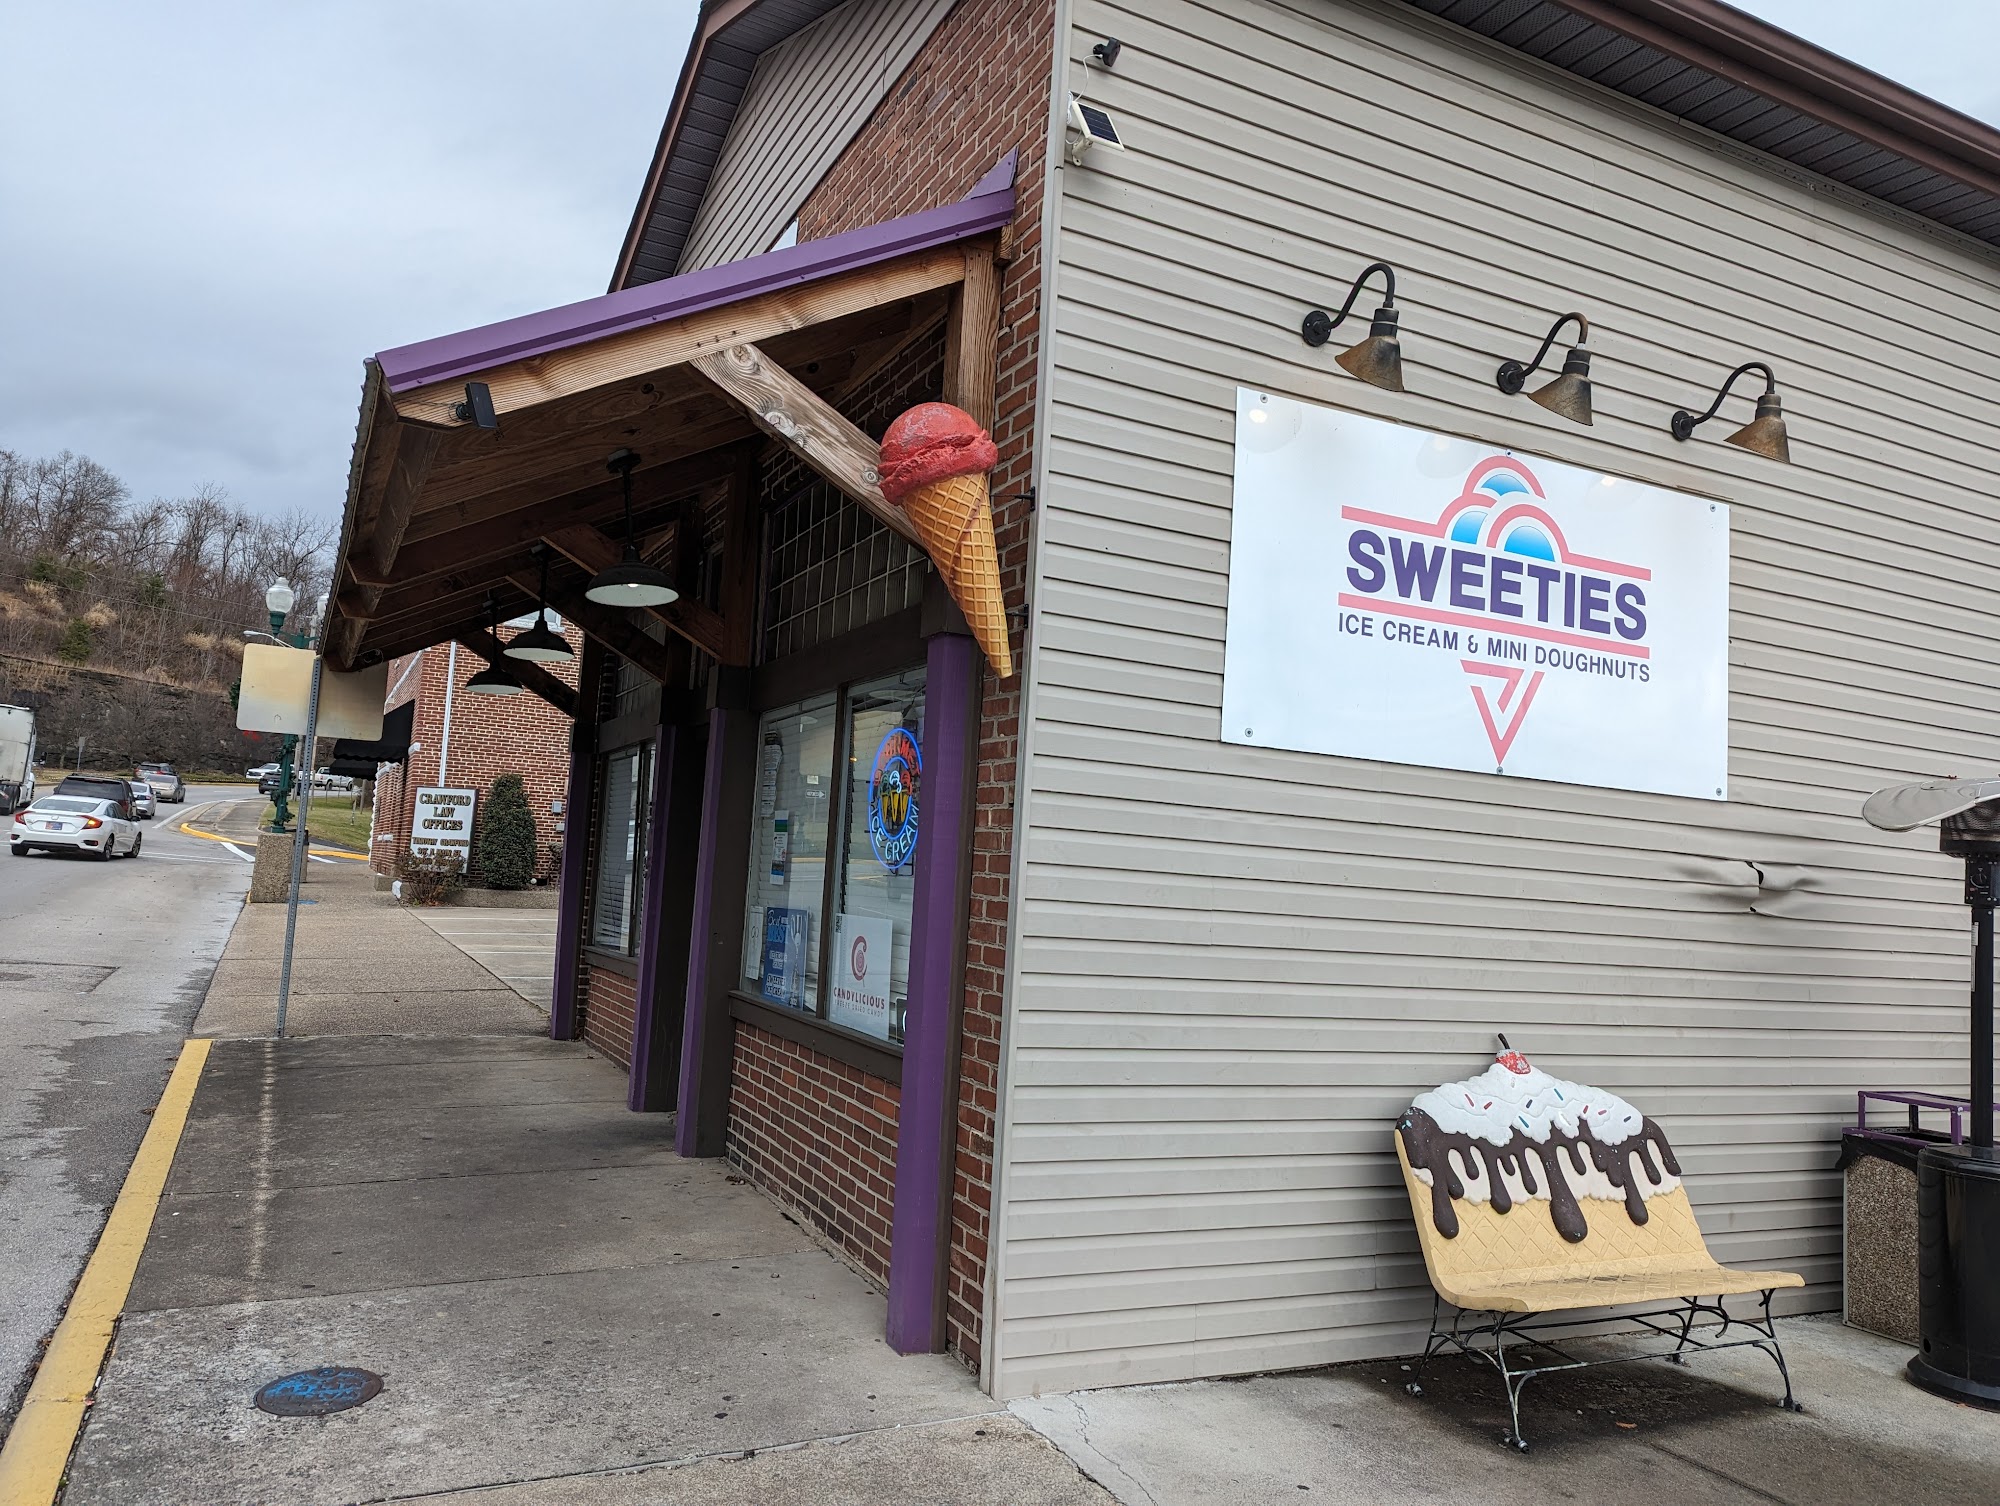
298, 852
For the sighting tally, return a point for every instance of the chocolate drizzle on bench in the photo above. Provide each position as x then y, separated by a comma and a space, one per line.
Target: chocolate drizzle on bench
1429, 1148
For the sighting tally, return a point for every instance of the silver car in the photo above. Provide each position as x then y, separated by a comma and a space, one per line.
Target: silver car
144, 806
73, 823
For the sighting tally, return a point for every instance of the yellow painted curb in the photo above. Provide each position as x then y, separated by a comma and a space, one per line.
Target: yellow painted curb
37, 1452
319, 852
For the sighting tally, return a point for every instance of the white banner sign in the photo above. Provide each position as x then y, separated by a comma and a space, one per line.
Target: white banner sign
443, 820
862, 948
1422, 599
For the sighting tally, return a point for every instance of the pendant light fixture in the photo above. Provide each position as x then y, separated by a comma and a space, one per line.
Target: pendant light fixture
494, 679
1568, 396
1763, 435
631, 582
1377, 360
539, 644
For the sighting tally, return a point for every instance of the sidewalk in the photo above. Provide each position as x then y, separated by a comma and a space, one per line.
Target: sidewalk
422, 1185
418, 1182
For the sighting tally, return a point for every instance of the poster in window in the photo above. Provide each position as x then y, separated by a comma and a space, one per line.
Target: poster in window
787, 933
862, 947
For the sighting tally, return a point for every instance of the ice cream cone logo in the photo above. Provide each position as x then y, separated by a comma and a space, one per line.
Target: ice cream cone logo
933, 466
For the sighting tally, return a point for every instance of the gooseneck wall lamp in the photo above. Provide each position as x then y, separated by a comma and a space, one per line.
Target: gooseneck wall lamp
1763, 435
494, 679
1568, 396
539, 644
1377, 360
631, 582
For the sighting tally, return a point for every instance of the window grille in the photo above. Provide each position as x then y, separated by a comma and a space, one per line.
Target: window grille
831, 568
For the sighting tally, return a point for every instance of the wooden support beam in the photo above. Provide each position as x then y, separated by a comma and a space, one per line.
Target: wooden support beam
414, 449
972, 337
530, 674
666, 662
592, 551
788, 410
672, 342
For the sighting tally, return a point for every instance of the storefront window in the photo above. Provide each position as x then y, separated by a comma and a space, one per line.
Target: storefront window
787, 894
626, 778
833, 939
875, 888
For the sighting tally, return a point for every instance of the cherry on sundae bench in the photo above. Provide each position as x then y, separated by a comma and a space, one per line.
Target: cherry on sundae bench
1534, 1196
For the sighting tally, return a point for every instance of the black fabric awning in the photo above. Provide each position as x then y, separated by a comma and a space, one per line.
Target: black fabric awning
357, 759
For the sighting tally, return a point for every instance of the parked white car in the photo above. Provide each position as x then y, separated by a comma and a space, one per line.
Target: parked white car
73, 823
145, 805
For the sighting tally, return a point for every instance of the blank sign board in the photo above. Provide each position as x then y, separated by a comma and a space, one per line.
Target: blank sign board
277, 686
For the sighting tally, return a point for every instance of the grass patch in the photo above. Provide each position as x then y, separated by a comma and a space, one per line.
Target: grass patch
331, 821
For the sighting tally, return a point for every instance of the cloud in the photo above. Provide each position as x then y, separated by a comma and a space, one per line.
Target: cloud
213, 211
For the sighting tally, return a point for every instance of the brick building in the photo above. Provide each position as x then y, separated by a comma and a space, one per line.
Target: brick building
1157, 985
468, 740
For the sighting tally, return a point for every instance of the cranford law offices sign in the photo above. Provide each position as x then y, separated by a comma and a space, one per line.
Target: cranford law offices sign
443, 820
1423, 599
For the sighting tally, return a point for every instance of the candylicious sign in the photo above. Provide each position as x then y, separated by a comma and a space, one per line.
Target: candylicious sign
1419, 598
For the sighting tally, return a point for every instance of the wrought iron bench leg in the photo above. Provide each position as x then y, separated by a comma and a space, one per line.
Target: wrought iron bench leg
1436, 1341
1768, 1329
1515, 1381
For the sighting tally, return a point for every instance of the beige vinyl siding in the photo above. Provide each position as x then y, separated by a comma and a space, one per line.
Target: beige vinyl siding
1233, 967
807, 98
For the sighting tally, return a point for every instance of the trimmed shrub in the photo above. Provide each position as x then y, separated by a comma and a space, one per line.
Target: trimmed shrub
429, 877
507, 836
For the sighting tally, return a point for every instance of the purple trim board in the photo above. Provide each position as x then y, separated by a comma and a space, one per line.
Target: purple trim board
919, 1235
989, 206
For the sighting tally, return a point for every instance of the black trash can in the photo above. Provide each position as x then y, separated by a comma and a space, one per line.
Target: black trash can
1958, 1274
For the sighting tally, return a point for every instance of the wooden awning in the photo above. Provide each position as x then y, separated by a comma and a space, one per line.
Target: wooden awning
688, 372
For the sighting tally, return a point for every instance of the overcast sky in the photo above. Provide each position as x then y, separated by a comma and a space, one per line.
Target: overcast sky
210, 212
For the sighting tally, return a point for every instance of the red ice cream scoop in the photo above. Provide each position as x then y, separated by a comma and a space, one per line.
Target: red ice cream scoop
933, 442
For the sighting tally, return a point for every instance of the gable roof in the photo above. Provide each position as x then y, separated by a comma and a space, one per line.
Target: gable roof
1700, 60
1713, 66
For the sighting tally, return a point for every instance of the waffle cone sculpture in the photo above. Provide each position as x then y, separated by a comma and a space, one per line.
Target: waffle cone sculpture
934, 463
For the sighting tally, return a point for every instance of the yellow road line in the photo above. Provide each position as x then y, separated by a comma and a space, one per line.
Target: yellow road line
37, 1451
319, 852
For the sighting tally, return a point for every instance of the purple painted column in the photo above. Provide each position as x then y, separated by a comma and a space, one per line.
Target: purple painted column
652, 925
715, 942
926, 1131
575, 861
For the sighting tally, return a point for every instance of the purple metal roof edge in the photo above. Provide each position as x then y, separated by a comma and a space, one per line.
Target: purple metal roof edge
989, 206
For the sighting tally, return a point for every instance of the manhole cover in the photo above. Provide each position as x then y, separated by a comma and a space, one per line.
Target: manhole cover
314, 1393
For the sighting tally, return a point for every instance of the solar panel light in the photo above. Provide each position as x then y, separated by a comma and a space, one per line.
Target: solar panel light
1763, 435
1094, 127
1377, 360
1568, 396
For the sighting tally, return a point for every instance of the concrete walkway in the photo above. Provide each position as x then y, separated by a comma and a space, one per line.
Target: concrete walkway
550, 1293
361, 964
517, 946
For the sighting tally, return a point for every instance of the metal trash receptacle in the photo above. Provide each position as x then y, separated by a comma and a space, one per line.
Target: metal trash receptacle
1878, 1162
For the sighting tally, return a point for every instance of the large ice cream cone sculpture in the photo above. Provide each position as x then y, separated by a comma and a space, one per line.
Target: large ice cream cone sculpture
934, 463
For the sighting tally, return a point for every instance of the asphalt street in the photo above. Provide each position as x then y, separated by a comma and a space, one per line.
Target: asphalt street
102, 968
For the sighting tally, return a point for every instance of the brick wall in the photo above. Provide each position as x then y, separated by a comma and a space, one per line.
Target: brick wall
607, 1004
490, 736
977, 90
820, 1136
